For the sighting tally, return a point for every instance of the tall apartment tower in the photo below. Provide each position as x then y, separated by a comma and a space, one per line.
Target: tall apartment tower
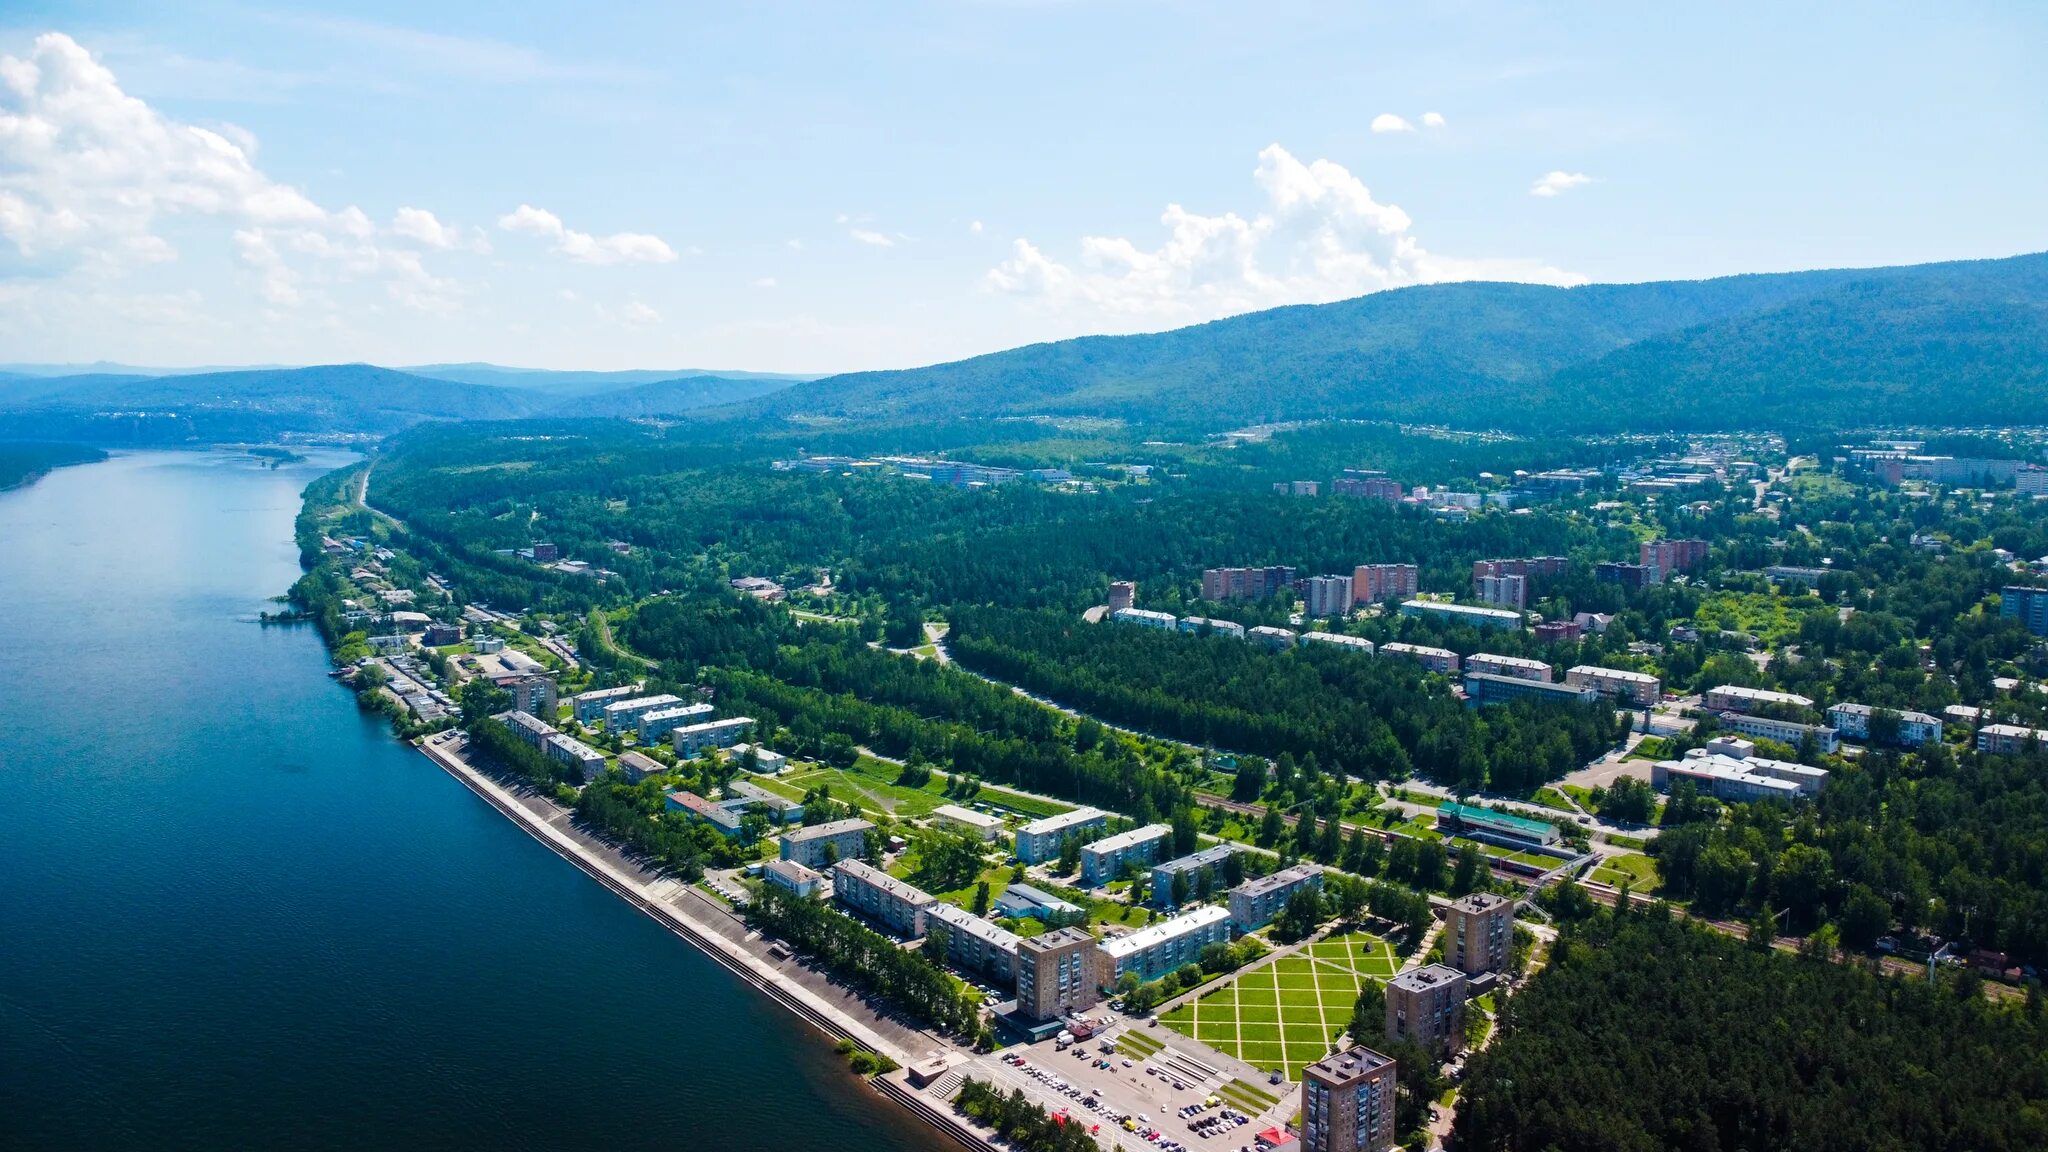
1427, 1005
1372, 583
1329, 595
1667, 557
1058, 972
1477, 933
1122, 594
1502, 591
2029, 606
1347, 1103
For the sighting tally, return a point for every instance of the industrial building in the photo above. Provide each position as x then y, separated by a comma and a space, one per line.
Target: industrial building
973, 943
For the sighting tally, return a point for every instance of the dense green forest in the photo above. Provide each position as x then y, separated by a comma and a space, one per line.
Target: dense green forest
24, 463
1369, 717
1653, 1034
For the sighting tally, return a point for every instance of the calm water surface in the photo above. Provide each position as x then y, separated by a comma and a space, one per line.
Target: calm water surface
235, 914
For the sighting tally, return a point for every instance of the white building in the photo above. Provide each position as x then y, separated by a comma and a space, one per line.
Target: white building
1145, 618
1329, 596
1278, 639
1357, 643
589, 706
1477, 617
2009, 739
619, 715
1104, 859
1518, 667
695, 738
656, 725
1742, 780
1736, 698
1639, 688
1230, 628
1783, 731
1157, 949
1441, 660
981, 825
1040, 840
1915, 728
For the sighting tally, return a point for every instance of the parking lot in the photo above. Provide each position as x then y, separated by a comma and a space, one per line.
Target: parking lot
1168, 1100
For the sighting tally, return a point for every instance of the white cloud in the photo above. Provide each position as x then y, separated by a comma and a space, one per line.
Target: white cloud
1553, 183
1432, 119
795, 245
974, 226
584, 248
636, 314
421, 225
1320, 236
764, 282
870, 236
1388, 122
89, 172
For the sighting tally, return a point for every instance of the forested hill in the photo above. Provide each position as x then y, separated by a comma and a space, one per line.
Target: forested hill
1942, 343
245, 405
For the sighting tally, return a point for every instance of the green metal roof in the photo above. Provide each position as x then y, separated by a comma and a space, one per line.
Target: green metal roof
1521, 824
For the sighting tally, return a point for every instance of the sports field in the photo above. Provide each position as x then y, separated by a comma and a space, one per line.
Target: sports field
1285, 1015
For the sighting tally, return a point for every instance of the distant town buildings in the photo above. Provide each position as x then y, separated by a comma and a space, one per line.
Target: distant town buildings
1222, 584
1296, 487
1375, 583
1505, 583
1637, 688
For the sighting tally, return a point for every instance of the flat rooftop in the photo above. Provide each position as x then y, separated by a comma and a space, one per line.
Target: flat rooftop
832, 828
1344, 1066
1424, 979
1153, 935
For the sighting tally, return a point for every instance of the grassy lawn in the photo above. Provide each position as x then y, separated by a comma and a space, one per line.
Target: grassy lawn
1640, 871
1550, 798
1286, 1014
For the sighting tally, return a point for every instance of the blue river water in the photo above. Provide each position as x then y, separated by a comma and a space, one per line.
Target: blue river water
235, 914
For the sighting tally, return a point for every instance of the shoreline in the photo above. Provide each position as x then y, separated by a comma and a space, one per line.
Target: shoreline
780, 988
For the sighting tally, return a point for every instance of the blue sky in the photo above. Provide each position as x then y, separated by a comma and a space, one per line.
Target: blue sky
835, 186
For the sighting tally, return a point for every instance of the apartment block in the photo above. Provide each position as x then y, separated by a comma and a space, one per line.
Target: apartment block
1915, 728
1374, 583
1484, 619
624, 715
1638, 688
1254, 903
2009, 739
1145, 618
1790, 732
1439, 660
1122, 594
1478, 929
1484, 688
880, 898
1347, 1103
1195, 866
1668, 558
1156, 949
791, 877
1368, 485
837, 839
1329, 595
1104, 859
1502, 591
1199, 624
1530, 567
692, 739
1626, 575
1737, 698
1059, 973
975, 944
656, 725
1520, 667
571, 751
1040, 840
1427, 1005
1277, 639
533, 694
1338, 639
2029, 606
1245, 583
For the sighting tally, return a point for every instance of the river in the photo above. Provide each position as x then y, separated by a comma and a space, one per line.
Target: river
234, 913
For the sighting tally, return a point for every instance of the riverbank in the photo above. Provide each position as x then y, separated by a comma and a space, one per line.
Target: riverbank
815, 998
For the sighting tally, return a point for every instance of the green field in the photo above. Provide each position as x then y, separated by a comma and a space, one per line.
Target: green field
1639, 870
1286, 1014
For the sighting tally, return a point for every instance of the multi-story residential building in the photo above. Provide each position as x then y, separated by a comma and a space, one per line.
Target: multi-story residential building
1557, 631
1329, 596
1230, 628
1104, 859
2010, 739
1520, 667
791, 877
1368, 484
1122, 594
1915, 728
1347, 1103
1483, 688
1439, 660
1502, 591
779, 809
1736, 698
822, 845
979, 825
1297, 487
531, 694
881, 899
1484, 619
2031, 480
2027, 605
1198, 867
1427, 1005
1254, 903
1156, 949
1374, 583
692, 739
1356, 643
624, 715
530, 729
1278, 639
1638, 688
1532, 567
656, 725
1479, 928
1667, 558
638, 767
1740, 778
1146, 618
1245, 583
1040, 840
589, 706
1626, 575
571, 751
1794, 574
441, 635
973, 943
1059, 973
1783, 731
